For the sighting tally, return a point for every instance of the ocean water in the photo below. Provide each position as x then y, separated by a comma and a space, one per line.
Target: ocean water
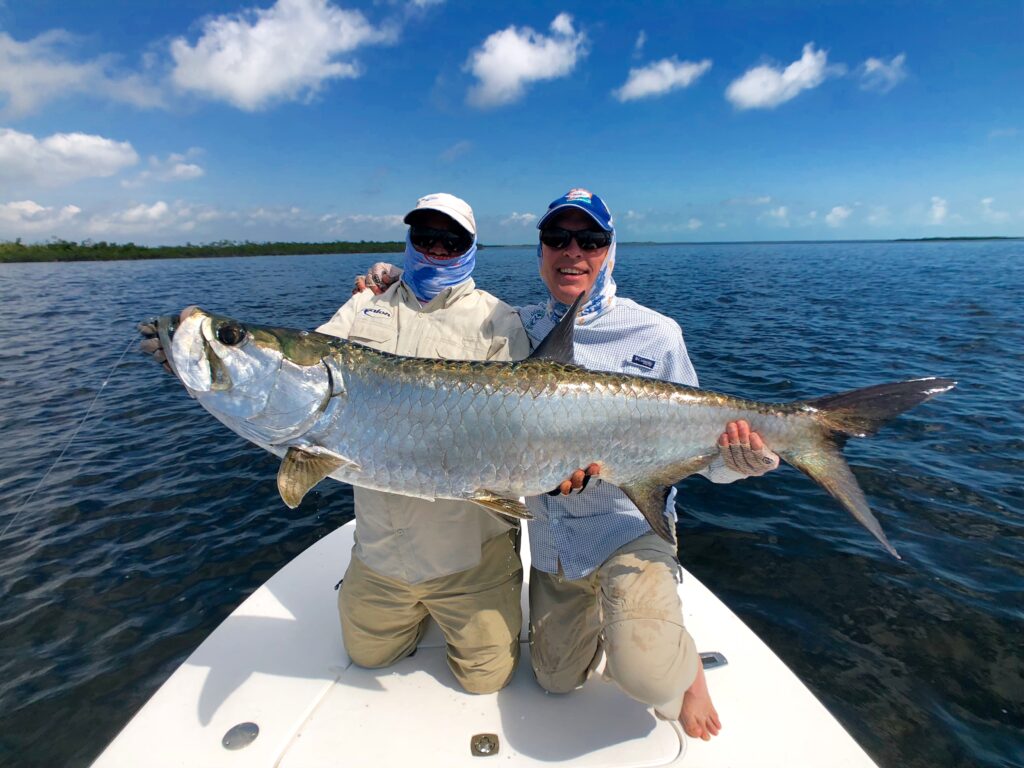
157, 521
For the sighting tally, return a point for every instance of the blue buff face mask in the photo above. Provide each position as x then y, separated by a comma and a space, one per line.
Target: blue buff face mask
602, 295
427, 276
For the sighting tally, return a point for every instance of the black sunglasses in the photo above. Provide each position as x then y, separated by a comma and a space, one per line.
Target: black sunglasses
424, 238
586, 239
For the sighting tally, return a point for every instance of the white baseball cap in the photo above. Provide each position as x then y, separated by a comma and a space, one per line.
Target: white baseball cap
450, 205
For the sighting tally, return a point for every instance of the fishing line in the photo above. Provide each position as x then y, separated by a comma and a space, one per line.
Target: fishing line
74, 434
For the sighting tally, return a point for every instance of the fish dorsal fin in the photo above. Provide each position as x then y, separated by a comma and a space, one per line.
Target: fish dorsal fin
557, 345
303, 468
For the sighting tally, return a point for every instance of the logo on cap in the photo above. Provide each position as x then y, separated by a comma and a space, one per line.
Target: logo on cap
579, 195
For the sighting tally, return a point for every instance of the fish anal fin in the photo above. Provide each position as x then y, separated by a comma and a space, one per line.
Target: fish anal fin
649, 498
510, 510
824, 464
557, 345
303, 468
649, 494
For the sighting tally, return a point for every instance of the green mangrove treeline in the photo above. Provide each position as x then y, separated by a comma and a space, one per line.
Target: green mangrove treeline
87, 250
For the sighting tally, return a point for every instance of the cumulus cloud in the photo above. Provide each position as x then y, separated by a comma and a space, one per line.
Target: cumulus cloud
260, 56
694, 224
882, 76
41, 70
765, 86
175, 167
939, 211
29, 217
989, 213
838, 216
519, 219
512, 58
60, 159
779, 216
379, 226
660, 77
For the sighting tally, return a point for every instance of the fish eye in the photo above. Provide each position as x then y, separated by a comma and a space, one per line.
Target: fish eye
231, 334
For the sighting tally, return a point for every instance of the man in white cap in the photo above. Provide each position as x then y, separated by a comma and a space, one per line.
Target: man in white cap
415, 559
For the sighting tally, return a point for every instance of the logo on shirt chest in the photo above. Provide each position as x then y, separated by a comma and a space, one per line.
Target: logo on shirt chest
375, 312
643, 362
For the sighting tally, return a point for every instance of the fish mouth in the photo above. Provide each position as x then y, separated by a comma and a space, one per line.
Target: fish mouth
186, 342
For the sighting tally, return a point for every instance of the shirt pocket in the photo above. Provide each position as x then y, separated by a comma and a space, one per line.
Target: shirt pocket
459, 349
373, 333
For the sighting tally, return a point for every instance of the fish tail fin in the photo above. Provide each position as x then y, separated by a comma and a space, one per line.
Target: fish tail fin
862, 412
858, 413
824, 463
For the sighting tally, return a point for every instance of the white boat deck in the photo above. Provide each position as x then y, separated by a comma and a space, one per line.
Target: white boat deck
278, 662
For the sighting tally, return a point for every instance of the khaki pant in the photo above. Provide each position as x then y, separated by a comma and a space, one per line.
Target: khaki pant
478, 610
629, 607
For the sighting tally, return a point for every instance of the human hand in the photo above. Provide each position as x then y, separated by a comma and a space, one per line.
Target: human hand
378, 278
577, 481
151, 344
744, 451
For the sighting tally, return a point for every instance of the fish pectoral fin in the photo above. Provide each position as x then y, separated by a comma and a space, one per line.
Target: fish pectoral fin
303, 468
510, 510
649, 495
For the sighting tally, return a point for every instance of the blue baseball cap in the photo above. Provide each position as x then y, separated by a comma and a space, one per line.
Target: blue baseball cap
584, 200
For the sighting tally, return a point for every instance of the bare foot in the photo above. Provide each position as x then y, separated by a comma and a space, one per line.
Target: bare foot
698, 716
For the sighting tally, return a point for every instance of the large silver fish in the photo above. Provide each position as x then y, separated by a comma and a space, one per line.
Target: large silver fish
491, 432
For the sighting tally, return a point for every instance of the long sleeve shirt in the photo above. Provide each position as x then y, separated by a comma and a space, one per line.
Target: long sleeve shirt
580, 531
406, 538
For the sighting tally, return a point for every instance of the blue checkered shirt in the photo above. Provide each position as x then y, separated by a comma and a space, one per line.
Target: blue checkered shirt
581, 531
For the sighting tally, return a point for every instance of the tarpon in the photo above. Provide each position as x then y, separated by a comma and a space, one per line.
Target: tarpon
492, 432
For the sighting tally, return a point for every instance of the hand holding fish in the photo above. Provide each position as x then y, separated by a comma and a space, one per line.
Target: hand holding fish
378, 278
744, 452
151, 343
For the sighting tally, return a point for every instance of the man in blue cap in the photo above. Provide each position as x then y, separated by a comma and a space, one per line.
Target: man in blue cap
602, 582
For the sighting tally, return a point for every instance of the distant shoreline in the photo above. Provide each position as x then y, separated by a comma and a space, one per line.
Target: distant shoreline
65, 250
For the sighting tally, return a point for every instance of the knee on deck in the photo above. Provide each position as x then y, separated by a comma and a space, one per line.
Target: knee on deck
653, 661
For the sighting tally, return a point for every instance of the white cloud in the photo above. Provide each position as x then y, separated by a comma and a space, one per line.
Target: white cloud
519, 219
765, 86
28, 217
176, 167
456, 150
60, 159
838, 216
259, 56
939, 211
39, 71
694, 224
379, 226
511, 59
878, 215
881, 76
991, 214
641, 41
660, 77
779, 216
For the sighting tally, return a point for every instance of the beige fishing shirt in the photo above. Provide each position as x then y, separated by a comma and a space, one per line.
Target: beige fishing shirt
399, 536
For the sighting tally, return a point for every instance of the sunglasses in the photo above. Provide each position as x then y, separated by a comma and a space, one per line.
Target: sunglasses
424, 238
586, 239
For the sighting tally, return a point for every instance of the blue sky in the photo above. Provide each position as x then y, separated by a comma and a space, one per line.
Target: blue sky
698, 121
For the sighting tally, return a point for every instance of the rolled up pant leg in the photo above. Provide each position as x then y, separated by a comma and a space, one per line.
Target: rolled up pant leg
650, 655
382, 619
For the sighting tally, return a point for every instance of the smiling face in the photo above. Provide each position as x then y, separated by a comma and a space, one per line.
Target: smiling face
567, 271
